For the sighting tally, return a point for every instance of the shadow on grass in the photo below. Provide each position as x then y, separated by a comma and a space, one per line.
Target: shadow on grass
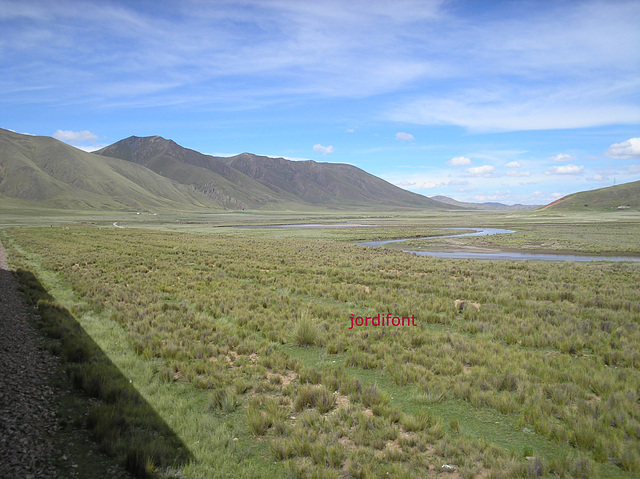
122, 422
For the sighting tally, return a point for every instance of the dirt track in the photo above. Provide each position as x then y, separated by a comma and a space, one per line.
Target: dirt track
27, 417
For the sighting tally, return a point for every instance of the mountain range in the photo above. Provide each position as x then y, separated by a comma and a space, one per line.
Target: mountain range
153, 174
489, 206
248, 181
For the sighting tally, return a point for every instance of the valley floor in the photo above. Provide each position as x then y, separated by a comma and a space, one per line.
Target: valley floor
233, 346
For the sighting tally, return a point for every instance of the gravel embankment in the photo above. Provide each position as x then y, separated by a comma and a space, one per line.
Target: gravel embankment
27, 411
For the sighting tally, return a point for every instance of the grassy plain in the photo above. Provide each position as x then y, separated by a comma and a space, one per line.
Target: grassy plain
239, 339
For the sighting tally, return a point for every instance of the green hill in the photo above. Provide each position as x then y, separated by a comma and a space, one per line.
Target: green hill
49, 173
612, 198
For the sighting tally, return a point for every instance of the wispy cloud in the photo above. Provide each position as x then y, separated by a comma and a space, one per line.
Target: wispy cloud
531, 72
512, 108
269, 50
289, 49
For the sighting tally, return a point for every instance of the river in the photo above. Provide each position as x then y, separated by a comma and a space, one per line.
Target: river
502, 255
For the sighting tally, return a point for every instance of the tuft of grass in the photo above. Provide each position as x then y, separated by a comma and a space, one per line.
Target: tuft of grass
306, 332
371, 396
314, 397
281, 449
257, 420
454, 425
630, 459
420, 422
223, 400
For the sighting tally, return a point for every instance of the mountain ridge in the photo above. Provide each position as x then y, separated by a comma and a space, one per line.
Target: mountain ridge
488, 206
255, 182
153, 174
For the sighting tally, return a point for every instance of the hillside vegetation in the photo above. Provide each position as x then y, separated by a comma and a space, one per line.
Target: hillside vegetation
47, 173
612, 198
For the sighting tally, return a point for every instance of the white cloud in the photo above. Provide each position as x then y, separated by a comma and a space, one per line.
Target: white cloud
485, 170
627, 150
351, 130
517, 174
459, 161
401, 136
513, 164
565, 170
325, 150
74, 136
563, 157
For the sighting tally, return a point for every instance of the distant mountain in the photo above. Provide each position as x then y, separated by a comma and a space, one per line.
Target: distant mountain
484, 206
612, 198
44, 171
252, 181
206, 174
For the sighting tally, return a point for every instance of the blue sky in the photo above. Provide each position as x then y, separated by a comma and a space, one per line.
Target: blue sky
512, 101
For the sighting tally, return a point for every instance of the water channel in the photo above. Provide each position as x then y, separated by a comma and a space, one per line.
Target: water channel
502, 255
